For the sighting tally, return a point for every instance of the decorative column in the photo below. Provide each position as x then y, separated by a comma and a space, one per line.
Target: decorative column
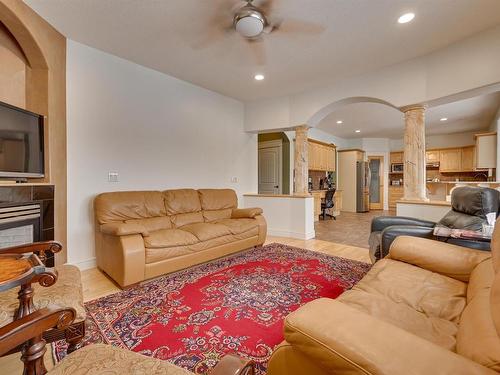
301, 160
414, 153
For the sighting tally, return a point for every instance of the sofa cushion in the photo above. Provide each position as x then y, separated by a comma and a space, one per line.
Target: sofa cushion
185, 219
237, 226
67, 292
169, 238
439, 331
217, 199
181, 201
214, 215
153, 223
206, 231
126, 205
154, 255
427, 292
417, 300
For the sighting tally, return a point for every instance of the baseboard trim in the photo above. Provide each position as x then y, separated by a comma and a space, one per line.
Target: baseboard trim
86, 264
284, 233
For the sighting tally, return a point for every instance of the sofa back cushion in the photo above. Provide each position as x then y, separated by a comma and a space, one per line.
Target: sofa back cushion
153, 224
217, 204
477, 338
127, 205
181, 201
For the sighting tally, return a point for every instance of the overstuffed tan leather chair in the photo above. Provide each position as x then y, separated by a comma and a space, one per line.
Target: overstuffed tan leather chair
144, 234
469, 206
427, 308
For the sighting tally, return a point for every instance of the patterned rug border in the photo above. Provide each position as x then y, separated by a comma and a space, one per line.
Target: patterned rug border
177, 280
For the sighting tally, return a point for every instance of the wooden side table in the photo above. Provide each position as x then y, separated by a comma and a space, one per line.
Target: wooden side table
18, 270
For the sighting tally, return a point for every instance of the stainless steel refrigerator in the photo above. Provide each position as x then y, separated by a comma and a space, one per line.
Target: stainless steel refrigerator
362, 186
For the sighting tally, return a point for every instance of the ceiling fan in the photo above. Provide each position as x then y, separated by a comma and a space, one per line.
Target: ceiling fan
253, 21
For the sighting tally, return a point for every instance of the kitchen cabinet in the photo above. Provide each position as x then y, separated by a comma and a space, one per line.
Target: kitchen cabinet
486, 150
396, 157
321, 156
450, 160
395, 194
432, 156
468, 159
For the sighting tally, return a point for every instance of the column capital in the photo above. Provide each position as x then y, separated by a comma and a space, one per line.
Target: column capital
414, 107
302, 128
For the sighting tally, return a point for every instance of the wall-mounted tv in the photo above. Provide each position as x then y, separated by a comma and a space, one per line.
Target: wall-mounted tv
21, 143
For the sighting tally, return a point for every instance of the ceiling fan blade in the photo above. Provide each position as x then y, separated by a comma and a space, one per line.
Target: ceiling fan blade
265, 5
218, 25
258, 50
291, 25
273, 25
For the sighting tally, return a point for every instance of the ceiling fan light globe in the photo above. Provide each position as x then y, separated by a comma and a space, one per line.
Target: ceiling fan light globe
249, 26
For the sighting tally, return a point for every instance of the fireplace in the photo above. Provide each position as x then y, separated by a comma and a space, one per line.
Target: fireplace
27, 215
20, 224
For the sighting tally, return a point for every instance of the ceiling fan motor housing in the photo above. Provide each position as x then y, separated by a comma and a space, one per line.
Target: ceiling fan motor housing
249, 22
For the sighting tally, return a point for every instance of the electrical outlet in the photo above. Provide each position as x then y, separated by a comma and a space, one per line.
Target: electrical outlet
234, 180
112, 176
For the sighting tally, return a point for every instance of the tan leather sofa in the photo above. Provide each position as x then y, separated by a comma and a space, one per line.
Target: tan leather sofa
144, 234
429, 308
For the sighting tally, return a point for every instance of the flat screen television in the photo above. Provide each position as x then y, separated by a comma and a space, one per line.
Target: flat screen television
21, 143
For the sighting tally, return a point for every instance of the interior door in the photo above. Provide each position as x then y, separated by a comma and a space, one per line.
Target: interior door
377, 182
270, 169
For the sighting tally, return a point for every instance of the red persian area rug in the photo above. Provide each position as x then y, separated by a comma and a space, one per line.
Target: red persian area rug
235, 304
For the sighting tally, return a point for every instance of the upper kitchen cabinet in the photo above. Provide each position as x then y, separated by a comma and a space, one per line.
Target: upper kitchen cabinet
321, 156
396, 157
468, 159
450, 160
486, 150
432, 156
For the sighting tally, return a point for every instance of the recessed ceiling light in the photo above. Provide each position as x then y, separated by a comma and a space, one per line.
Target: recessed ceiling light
407, 17
340, 122
259, 77
443, 119
357, 131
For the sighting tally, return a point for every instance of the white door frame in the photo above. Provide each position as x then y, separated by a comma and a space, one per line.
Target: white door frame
273, 144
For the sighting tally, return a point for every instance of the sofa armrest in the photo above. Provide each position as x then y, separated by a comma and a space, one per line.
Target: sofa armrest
381, 222
123, 229
248, 213
389, 234
341, 340
453, 261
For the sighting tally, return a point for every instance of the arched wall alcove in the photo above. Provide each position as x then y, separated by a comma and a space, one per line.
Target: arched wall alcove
26, 38
326, 110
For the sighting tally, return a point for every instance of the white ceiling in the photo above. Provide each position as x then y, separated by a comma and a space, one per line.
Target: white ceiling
358, 36
382, 121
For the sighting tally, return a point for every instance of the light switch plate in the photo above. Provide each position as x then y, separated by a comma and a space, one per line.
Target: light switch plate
234, 180
112, 176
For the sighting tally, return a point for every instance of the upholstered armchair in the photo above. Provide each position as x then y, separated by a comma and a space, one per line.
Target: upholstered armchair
469, 206
93, 359
65, 291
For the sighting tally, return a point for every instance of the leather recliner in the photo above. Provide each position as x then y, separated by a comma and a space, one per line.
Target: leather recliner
469, 208
427, 308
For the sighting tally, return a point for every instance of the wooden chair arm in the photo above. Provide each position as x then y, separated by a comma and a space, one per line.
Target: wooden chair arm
37, 247
20, 331
233, 365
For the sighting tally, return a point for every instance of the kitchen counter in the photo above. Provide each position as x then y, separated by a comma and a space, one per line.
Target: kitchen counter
465, 182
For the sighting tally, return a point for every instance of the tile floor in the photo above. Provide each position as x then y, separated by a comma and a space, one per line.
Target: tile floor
350, 228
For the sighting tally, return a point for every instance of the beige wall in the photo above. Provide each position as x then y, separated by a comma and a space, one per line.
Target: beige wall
42, 90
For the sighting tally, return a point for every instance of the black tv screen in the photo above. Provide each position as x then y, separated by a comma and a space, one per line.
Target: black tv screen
21, 142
